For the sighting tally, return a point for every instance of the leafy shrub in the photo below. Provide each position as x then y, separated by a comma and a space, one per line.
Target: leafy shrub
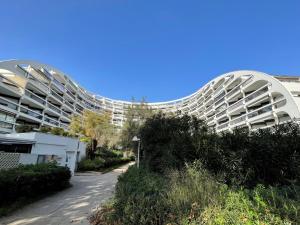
192, 187
30, 181
105, 153
25, 128
99, 163
259, 206
270, 156
193, 197
138, 199
89, 164
168, 142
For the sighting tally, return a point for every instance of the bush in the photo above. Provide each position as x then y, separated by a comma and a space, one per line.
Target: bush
31, 181
98, 164
193, 197
259, 206
168, 142
270, 156
89, 164
105, 153
138, 198
192, 187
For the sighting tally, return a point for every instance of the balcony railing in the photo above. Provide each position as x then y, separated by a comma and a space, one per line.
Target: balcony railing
60, 98
52, 121
54, 108
219, 101
38, 83
10, 84
47, 74
233, 91
31, 113
8, 104
70, 94
35, 97
256, 93
66, 127
59, 85
66, 114
219, 96
6, 125
238, 120
221, 113
210, 119
218, 89
247, 81
209, 108
235, 105
222, 126
238, 87
69, 104
260, 111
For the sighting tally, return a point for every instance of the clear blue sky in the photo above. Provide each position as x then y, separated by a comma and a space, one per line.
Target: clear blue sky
160, 49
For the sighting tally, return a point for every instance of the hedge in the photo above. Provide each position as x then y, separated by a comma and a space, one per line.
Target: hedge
31, 181
99, 163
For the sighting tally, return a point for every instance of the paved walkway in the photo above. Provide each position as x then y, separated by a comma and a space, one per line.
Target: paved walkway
71, 206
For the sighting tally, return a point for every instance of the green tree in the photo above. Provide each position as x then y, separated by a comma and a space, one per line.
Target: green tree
95, 126
136, 115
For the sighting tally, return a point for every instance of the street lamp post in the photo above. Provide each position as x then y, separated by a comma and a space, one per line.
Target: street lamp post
136, 139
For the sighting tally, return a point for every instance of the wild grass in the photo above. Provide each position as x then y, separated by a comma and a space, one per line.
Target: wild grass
193, 197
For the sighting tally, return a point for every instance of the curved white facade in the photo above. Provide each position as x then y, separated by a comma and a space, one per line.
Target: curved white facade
38, 94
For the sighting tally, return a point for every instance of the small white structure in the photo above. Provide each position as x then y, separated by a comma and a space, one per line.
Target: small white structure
34, 147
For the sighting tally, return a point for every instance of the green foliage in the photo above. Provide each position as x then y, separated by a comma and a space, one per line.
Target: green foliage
239, 177
193, 197
192, 187
105, 158
135, 117
269, 156
89, 164
106, 153
45, 129
139, 198
24, 128
31, 181
259, 206
168, 142
97, 129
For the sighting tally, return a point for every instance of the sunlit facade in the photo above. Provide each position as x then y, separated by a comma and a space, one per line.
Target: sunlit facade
37, 94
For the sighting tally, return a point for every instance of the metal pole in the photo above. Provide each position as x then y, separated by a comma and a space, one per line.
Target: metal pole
138, 159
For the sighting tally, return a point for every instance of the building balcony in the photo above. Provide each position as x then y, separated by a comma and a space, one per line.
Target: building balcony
54, 108
59, 85
238, 120
257, 93
31, 113
11, 86
51, 121
8, 104
6, 127
35, 97
236, 105
37, 83
258, 112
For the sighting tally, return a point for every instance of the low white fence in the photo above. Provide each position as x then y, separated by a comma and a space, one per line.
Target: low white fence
11, 160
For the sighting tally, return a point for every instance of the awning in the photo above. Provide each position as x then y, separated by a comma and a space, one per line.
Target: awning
11, 141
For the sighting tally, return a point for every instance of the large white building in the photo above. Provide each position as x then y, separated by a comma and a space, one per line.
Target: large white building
38, 94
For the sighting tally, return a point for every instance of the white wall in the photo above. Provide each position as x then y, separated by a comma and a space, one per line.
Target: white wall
27, 159
48, 144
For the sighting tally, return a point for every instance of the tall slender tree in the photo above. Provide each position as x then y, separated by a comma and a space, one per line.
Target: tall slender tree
136, 115
97, 127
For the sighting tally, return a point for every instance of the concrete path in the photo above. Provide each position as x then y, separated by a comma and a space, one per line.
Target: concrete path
71, 206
